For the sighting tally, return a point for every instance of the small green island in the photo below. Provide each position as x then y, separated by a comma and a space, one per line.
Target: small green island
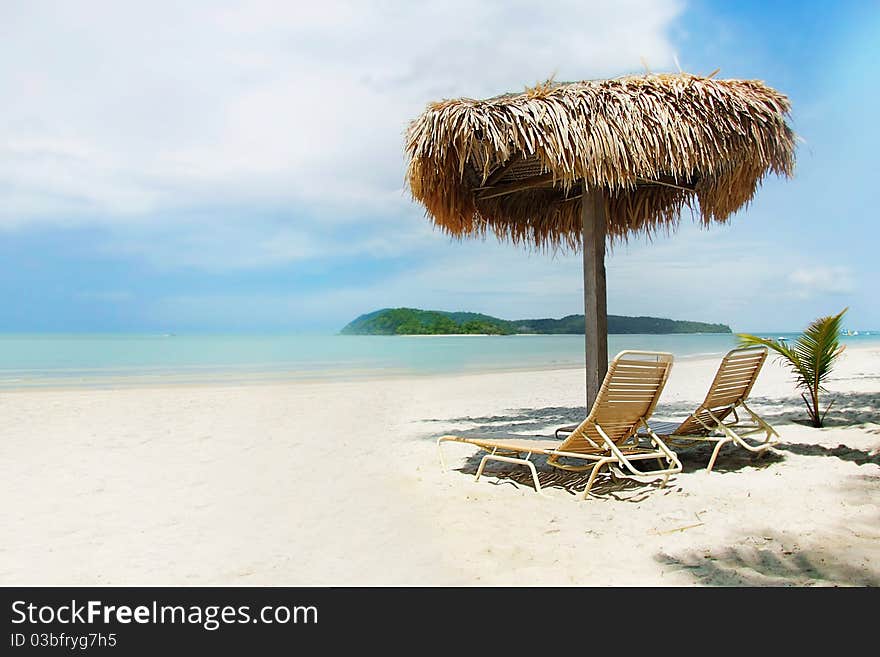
412, 321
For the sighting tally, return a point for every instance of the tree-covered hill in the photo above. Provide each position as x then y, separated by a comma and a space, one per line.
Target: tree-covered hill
412, 321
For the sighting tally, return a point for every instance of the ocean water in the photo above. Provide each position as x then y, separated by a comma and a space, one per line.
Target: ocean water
28, 361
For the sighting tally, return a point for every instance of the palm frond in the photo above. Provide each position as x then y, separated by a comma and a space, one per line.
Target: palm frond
785, 353
811, 357
819, 346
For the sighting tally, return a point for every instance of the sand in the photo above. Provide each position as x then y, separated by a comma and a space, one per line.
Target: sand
339, 483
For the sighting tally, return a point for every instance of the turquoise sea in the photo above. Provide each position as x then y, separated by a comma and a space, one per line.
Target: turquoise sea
28, 361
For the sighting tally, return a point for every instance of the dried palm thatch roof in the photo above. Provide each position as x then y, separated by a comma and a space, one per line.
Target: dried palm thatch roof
518, 164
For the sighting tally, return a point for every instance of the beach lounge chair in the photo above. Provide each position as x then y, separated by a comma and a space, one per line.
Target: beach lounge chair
716, 418
607, 437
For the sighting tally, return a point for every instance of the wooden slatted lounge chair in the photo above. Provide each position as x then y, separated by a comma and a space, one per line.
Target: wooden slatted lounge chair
716, 418
608, 436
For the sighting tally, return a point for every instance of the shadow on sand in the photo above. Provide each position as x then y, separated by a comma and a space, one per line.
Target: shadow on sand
574, 483
848, 409
731, 459
844, 453
770, 559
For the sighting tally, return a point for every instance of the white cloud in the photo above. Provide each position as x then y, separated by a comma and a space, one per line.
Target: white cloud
700, 275
229, 136
114, 112
243, 135
232, 240
716, 275
819, 280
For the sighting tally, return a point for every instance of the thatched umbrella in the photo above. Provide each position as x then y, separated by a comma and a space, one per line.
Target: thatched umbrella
562, 166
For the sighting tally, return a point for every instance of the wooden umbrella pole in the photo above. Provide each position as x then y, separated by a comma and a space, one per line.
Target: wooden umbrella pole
595, 310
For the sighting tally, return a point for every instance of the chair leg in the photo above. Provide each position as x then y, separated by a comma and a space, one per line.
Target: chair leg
534, 477
483, 462
508, 459
599, 464
766, 446
718, 447
732, 436
770, 431
440, 452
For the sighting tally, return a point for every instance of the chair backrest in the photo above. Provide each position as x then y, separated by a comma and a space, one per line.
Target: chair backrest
732, 383
628, 395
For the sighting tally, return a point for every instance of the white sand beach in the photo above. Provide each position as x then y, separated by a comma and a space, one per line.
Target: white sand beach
336, 483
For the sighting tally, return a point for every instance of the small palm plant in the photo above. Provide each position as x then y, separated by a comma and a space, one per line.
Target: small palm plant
811, 357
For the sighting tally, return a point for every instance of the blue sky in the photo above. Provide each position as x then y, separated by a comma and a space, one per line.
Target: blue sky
239, 166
